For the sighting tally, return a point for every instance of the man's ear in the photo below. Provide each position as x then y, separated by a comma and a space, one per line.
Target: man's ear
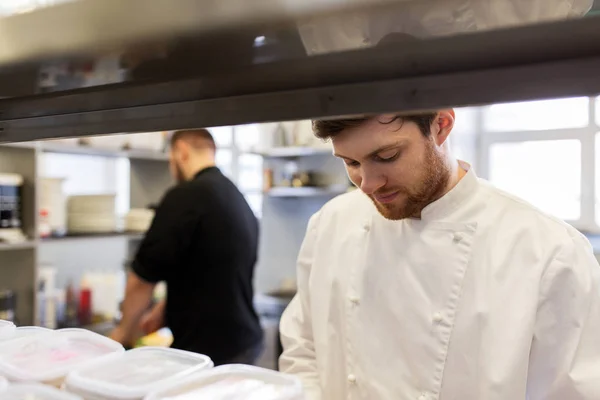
443, 125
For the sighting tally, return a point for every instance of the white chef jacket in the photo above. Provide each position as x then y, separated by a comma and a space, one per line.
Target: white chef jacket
483, 298
430, 18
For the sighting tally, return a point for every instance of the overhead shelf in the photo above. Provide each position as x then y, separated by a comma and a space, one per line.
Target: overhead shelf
460, 70
306, 191
85, 236
95, 151
29, 244
292, 152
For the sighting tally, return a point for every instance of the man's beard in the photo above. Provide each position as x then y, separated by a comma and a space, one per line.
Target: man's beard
436, 176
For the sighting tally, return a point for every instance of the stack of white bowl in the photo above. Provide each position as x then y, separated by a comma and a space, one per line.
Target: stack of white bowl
139, 219
92, 214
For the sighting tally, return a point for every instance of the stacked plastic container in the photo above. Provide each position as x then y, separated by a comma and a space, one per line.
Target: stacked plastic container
47, 357
35, 392
134, 374
234, 382
76, 364
7, 330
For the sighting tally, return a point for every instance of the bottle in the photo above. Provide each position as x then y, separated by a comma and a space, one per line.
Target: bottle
84, 311
44, 227
71, 307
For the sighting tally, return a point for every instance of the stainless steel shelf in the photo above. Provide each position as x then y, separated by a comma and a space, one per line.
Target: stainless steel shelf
292, 152
453, 71
80, 27
305, 191
90, 236
30, 244
95, 151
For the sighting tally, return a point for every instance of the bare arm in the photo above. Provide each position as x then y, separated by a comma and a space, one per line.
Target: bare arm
138, 295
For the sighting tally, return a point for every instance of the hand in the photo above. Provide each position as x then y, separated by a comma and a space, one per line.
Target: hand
118, 335
154, 319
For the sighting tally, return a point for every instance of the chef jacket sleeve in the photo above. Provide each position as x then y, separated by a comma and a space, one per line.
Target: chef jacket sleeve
565, 354
169, 234
299, 357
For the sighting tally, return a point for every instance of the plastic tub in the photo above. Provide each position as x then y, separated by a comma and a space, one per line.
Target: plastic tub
7, 329
234, 382
48, 357
135, 373
35, 392
24, 331
3, 385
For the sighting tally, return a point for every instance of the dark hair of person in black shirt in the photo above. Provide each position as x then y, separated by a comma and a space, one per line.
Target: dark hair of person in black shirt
191, 151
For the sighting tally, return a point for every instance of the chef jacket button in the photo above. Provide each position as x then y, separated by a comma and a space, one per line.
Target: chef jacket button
351, 378
458, 237
367, 227
437, 317
355, 300
422, 397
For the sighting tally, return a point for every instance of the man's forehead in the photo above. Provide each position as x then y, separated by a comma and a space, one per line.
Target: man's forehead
370, 138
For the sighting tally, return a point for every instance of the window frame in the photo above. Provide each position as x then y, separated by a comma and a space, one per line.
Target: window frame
236, 152
586, 135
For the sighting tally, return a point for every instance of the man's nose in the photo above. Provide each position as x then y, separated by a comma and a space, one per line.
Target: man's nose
371, 181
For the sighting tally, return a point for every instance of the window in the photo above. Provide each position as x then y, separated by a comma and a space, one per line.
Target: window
598, 110
531, 171
537, 115
223, 136
224, 161
250, 177
85, 174
545, 152
245, 170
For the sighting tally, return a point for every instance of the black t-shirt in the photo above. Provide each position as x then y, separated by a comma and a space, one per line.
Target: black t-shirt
203, 242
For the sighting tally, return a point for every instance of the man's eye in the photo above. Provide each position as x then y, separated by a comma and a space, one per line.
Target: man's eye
352, 163
387, 157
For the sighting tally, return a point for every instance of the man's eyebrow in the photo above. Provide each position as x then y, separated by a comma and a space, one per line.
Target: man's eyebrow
376, 151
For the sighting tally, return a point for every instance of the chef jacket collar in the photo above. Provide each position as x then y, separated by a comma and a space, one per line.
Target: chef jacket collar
449, 202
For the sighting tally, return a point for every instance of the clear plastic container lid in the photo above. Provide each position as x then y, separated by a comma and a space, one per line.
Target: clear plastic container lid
35, 392
52, 355
23, 331
3, 385
7, 329
234, 382
135, 373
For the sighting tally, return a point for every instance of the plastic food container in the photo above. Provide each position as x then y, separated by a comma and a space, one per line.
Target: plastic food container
135, 373
3, 385
23, 331
35, 392
7, 329
49, 357
234, 382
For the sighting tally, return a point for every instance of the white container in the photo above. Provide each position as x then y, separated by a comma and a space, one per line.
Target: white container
54, 200
91, 223
234, 382
48, 357
24, 331
135, 373
3, 385
92, 204
7, 329
139, 219
35, 392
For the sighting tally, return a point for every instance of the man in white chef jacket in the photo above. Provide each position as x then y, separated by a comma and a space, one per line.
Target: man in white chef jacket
429, 283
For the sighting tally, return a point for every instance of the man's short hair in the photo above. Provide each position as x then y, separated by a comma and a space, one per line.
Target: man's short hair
328, 129
197, 138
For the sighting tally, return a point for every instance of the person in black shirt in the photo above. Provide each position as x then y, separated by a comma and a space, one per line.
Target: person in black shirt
203, 243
